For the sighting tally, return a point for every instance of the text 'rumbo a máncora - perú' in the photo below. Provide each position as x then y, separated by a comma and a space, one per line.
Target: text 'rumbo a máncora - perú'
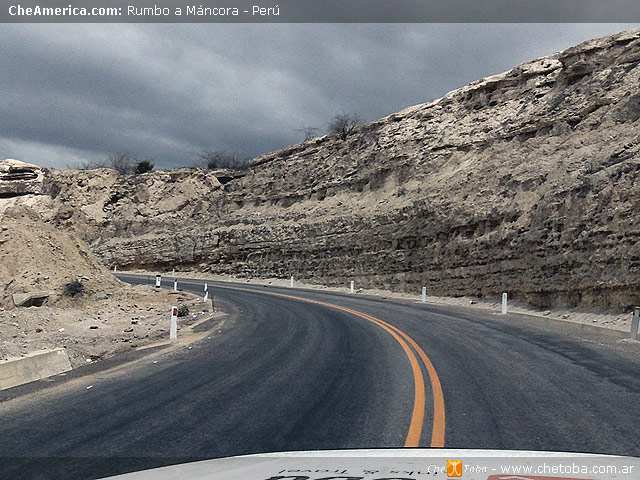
202, 11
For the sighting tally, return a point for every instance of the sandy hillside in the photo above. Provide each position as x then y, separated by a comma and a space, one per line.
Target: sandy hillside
37, 256
102, 317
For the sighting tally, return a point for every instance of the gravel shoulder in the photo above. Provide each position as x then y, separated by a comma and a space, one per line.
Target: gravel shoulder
94, 329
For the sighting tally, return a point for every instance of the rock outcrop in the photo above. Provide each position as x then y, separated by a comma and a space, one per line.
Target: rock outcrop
19, 178
526, 182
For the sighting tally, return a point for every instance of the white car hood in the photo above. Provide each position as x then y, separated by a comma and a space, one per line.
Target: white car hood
402, 464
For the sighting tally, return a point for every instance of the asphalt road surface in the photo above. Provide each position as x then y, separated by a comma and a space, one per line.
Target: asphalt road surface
298, 370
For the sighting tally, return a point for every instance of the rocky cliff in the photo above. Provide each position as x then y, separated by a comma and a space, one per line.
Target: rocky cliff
526, 181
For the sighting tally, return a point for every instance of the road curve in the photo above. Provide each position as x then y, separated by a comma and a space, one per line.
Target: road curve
296, 369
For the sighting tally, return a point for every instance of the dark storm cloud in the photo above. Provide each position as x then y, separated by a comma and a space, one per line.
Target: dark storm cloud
73, 92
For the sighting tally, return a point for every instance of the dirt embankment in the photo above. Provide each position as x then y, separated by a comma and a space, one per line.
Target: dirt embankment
55, 292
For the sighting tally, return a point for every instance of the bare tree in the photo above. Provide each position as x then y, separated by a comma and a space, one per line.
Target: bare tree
344, 124
309, 132
123, 162
82, 165
198, 162
214, 159
87, 165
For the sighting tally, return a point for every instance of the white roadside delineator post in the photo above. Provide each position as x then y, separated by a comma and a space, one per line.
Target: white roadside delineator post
158, 281
353, 287
291, 281
206, 296
175, 284
424, 294
173, 333
635, 322
173, 272
115, 268
504, 303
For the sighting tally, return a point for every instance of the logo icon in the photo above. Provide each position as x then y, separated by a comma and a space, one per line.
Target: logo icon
454, 468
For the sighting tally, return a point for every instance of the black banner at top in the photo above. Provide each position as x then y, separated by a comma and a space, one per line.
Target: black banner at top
321, 11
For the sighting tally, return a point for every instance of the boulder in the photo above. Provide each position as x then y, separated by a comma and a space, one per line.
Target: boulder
33, 299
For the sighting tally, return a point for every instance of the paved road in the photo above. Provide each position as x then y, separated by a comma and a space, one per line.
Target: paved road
326, 371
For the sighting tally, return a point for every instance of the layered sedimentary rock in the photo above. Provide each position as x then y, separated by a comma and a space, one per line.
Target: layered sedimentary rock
19, 178
526, 182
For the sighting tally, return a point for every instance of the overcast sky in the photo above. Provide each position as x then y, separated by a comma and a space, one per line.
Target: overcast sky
77, 92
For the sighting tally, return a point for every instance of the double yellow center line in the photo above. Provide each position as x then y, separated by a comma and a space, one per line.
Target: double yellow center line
406, 342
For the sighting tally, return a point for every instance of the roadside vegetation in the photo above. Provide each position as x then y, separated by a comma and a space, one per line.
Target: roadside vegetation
220, 159
344, 124
127, 163
124, 162
74, 289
